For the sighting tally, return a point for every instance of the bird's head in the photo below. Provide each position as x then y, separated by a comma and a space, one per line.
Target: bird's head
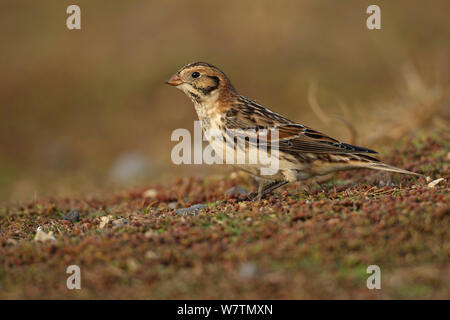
201, 81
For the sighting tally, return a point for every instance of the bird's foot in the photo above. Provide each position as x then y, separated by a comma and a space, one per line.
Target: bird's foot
253, 196
262, 192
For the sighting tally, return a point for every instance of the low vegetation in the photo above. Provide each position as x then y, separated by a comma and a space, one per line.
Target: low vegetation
308, 240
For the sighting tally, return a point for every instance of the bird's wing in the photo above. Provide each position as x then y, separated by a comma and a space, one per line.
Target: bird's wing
299, 138
292, 137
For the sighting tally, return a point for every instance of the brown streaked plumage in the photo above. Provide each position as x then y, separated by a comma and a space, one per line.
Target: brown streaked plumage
303, 152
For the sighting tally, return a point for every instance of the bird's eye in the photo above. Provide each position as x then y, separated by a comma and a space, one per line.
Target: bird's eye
195, 74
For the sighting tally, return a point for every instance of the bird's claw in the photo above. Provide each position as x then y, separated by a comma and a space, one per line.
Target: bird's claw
253, 196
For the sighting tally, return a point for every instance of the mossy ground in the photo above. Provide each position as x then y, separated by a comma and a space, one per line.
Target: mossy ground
307, 240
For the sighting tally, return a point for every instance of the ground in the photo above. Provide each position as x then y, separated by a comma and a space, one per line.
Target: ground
310, 240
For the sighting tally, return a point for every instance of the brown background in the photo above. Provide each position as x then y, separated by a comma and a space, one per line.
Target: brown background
88, 110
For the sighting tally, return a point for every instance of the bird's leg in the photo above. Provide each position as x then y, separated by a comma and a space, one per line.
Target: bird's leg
263, 190
272, 186
260, 189
252, 196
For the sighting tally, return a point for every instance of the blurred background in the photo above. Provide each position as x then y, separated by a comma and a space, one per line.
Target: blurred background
87, 110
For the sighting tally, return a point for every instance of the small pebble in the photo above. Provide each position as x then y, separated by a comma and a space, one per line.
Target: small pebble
104, 221
119, 222
247, 270
236, 191
132, 264
72, 216
191, 210
172, 205
41, 236
150, 193
150, 233
150, 255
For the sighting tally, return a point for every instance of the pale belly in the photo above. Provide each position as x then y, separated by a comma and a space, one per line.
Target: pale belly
253, 160
258, 162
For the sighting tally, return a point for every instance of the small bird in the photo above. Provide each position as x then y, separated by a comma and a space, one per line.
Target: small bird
302, 152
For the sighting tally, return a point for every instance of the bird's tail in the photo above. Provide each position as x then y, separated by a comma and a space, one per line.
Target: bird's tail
338, 162
387, 167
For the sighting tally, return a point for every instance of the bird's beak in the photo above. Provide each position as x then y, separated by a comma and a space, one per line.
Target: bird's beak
175, 80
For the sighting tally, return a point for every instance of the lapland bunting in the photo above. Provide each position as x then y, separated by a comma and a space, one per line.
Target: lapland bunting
302, 152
